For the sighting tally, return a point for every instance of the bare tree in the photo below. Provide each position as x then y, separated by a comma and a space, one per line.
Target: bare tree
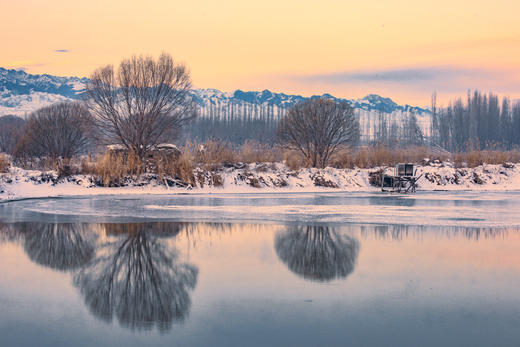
411, 131
143, 103
58, 130
479, 122
316, 127
11, 130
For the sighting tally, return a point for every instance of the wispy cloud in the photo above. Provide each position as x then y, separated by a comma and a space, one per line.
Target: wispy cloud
62, 51
409, 75
441, 78
407, 84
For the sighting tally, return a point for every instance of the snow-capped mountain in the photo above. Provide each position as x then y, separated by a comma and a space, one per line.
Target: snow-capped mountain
266, 106
371, 102
21, 93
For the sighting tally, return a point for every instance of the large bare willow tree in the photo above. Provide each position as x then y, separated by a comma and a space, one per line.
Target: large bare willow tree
317, 127
143, 103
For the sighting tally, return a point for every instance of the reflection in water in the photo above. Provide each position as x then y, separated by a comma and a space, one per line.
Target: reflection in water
133, 272
402, 232
59, 246
63, 247
9, 233
138, 278
317, 253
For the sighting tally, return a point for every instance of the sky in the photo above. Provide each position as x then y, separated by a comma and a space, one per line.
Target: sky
400, 49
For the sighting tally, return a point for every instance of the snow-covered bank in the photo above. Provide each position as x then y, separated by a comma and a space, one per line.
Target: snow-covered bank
255, 178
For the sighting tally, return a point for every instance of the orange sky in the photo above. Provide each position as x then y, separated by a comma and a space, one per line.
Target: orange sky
397, 48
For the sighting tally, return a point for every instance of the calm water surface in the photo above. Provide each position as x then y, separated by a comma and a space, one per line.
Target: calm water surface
144, 272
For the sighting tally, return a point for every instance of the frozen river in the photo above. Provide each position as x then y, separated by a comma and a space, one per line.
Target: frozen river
331, 269
479, 209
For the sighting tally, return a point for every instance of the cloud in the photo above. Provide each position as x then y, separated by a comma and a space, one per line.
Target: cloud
441, 78
413, 85
62, 51
408, 75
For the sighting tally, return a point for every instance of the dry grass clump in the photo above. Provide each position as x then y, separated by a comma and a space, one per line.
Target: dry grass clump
212, 152
256, 152
476, 158
4, 163
373, 156
113, 168
180, 168
294, 160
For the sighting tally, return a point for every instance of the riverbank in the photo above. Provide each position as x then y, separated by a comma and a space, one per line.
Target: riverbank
18, 183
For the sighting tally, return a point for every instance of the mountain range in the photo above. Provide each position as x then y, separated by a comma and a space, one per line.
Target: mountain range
22, 93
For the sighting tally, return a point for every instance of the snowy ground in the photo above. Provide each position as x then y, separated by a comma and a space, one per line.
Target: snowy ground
256, 178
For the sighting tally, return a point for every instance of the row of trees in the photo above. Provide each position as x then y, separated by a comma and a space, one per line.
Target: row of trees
392, 133
478, 122
146, 102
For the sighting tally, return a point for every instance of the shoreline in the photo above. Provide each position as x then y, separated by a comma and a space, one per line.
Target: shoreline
20, 184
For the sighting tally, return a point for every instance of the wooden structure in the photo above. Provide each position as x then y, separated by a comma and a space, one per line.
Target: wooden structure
403, 180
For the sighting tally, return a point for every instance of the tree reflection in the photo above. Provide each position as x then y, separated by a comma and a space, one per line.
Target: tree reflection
317, 253
138, 278
9, 233
62, 247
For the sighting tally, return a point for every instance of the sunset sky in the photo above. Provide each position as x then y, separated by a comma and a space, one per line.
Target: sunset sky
400, 49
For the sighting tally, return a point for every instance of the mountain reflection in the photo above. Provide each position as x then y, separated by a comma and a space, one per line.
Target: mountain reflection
138, 277
317, 253
62, 247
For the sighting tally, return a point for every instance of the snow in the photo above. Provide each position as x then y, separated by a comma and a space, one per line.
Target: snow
115, 147
167, 146
262, 178
26, 103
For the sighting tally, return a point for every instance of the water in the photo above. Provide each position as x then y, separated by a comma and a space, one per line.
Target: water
117, 272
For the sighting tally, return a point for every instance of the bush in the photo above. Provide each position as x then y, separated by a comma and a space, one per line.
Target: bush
55, 131
4, 163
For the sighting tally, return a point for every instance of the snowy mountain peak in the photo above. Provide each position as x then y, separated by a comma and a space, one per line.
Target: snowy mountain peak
17, 82
21, 93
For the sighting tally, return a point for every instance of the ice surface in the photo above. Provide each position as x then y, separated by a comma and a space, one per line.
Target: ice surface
469, 209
